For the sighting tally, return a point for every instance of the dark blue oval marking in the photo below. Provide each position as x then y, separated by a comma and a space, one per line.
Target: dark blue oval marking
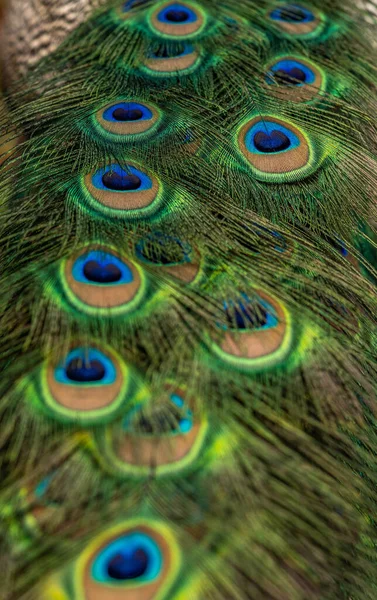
268, 136
130, 177
101, 268
126, 112
245, 315
177, 14
86, 366
134, 556
290, 72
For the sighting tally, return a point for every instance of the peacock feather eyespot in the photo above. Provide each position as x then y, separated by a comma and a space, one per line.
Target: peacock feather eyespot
136, 559
276, 150
124, 120
244, 315
135, 556
177, 19
165, 436
256, 332
100, 281
176, 256
126, 192
167, 420
296, 20
171, 61
294, 78
89, 385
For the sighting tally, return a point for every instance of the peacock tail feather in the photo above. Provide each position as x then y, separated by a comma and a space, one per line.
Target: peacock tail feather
188, 232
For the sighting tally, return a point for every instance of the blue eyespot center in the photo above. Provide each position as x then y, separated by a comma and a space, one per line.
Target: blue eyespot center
99, 273
121, 182
102, 268
267, 137
177, 14
133, 556
292, 13
118, 180
292, 76
123, 112
86, 366
247, 315
128, 565
80, 371
275, 141
290, 72
244, 316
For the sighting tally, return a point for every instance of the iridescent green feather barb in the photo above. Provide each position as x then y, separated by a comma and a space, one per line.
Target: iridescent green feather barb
188, 233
